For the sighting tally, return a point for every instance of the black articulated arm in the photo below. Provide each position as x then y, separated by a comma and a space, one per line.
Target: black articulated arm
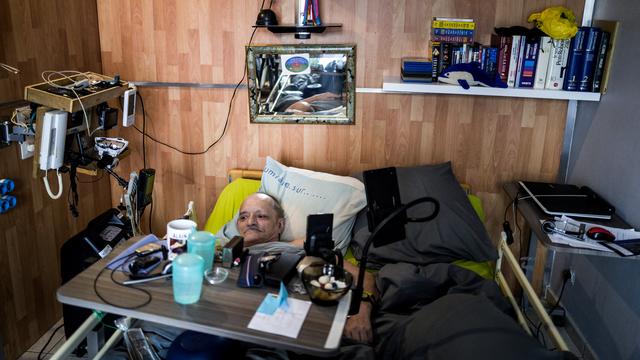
357, 292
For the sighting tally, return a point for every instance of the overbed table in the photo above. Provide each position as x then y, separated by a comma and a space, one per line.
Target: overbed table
223, 309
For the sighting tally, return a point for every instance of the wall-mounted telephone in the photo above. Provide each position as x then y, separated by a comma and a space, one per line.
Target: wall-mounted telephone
54, 131
52, 139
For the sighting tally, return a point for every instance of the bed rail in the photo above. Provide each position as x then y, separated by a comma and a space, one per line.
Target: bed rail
83, 332
504, 253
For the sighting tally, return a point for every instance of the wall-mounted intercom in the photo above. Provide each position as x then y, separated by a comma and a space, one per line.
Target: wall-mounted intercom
54, 130
129, 107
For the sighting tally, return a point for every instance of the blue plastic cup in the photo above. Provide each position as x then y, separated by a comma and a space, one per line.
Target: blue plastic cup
202, 243
188, 270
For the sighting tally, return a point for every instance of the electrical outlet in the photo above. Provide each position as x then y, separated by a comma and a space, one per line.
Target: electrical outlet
27, 148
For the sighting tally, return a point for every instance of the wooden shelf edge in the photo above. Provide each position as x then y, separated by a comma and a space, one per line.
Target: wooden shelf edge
395, 85
290, 28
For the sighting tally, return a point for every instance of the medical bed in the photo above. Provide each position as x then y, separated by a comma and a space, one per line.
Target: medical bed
239, 187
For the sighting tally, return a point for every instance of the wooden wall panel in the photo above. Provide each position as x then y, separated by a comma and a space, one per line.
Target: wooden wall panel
489, 140
40, 35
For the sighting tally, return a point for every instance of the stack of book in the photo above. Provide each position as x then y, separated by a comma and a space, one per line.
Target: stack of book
539, 62
415, 69
452, 42
528, 59
452, 30
586, 56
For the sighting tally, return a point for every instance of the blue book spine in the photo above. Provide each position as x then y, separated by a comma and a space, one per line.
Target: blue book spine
590, 55
575, 61
529, 62
491, 61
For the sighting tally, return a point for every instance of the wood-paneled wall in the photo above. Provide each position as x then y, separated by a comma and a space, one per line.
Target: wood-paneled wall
489, 140
35, 36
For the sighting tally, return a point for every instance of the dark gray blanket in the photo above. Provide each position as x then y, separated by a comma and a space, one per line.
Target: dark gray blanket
459, 326
405, 288
442, 311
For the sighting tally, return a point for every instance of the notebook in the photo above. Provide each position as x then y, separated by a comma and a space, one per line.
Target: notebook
569, 200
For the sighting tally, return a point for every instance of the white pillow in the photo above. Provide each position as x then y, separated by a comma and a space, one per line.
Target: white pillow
303, 192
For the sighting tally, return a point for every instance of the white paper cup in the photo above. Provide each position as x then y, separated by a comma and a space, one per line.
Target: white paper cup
178, 232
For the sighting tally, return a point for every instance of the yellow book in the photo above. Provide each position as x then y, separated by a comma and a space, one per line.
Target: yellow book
453, 24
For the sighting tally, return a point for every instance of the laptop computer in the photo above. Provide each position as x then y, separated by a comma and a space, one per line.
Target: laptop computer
569, 200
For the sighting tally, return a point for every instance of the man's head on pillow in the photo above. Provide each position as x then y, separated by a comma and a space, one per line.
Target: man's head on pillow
260, 219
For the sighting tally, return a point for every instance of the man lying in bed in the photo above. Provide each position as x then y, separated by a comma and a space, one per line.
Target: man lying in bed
261, 222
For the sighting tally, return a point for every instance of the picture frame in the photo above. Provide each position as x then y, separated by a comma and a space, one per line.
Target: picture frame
301, 84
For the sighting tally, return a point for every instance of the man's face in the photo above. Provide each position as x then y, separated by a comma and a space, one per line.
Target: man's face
258, 221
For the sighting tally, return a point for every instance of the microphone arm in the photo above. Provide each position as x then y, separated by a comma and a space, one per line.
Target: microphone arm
357, 292
107, 163
122, 182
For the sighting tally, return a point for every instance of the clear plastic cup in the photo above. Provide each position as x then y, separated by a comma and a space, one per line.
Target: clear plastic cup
188, 272
202, 243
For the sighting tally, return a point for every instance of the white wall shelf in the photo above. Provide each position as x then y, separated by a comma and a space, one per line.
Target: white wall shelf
394, 84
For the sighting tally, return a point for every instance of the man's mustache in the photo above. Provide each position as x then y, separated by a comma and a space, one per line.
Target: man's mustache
253, 227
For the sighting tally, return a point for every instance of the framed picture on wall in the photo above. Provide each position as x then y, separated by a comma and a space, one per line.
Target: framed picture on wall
301, 84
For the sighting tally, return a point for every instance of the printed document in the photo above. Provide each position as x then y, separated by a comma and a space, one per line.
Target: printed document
285, 320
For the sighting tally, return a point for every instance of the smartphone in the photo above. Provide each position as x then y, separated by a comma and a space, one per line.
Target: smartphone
319, 233
383, 198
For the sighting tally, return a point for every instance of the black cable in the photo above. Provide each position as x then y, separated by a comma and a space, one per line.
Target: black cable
144, 150
555, 306
144, 130
124, 261
544, 341
514, 204
506, 209
226, 122
518, 228
150, 212
48, 341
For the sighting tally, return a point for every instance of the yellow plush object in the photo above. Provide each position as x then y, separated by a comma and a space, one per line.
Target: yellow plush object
557, 22
229, 202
